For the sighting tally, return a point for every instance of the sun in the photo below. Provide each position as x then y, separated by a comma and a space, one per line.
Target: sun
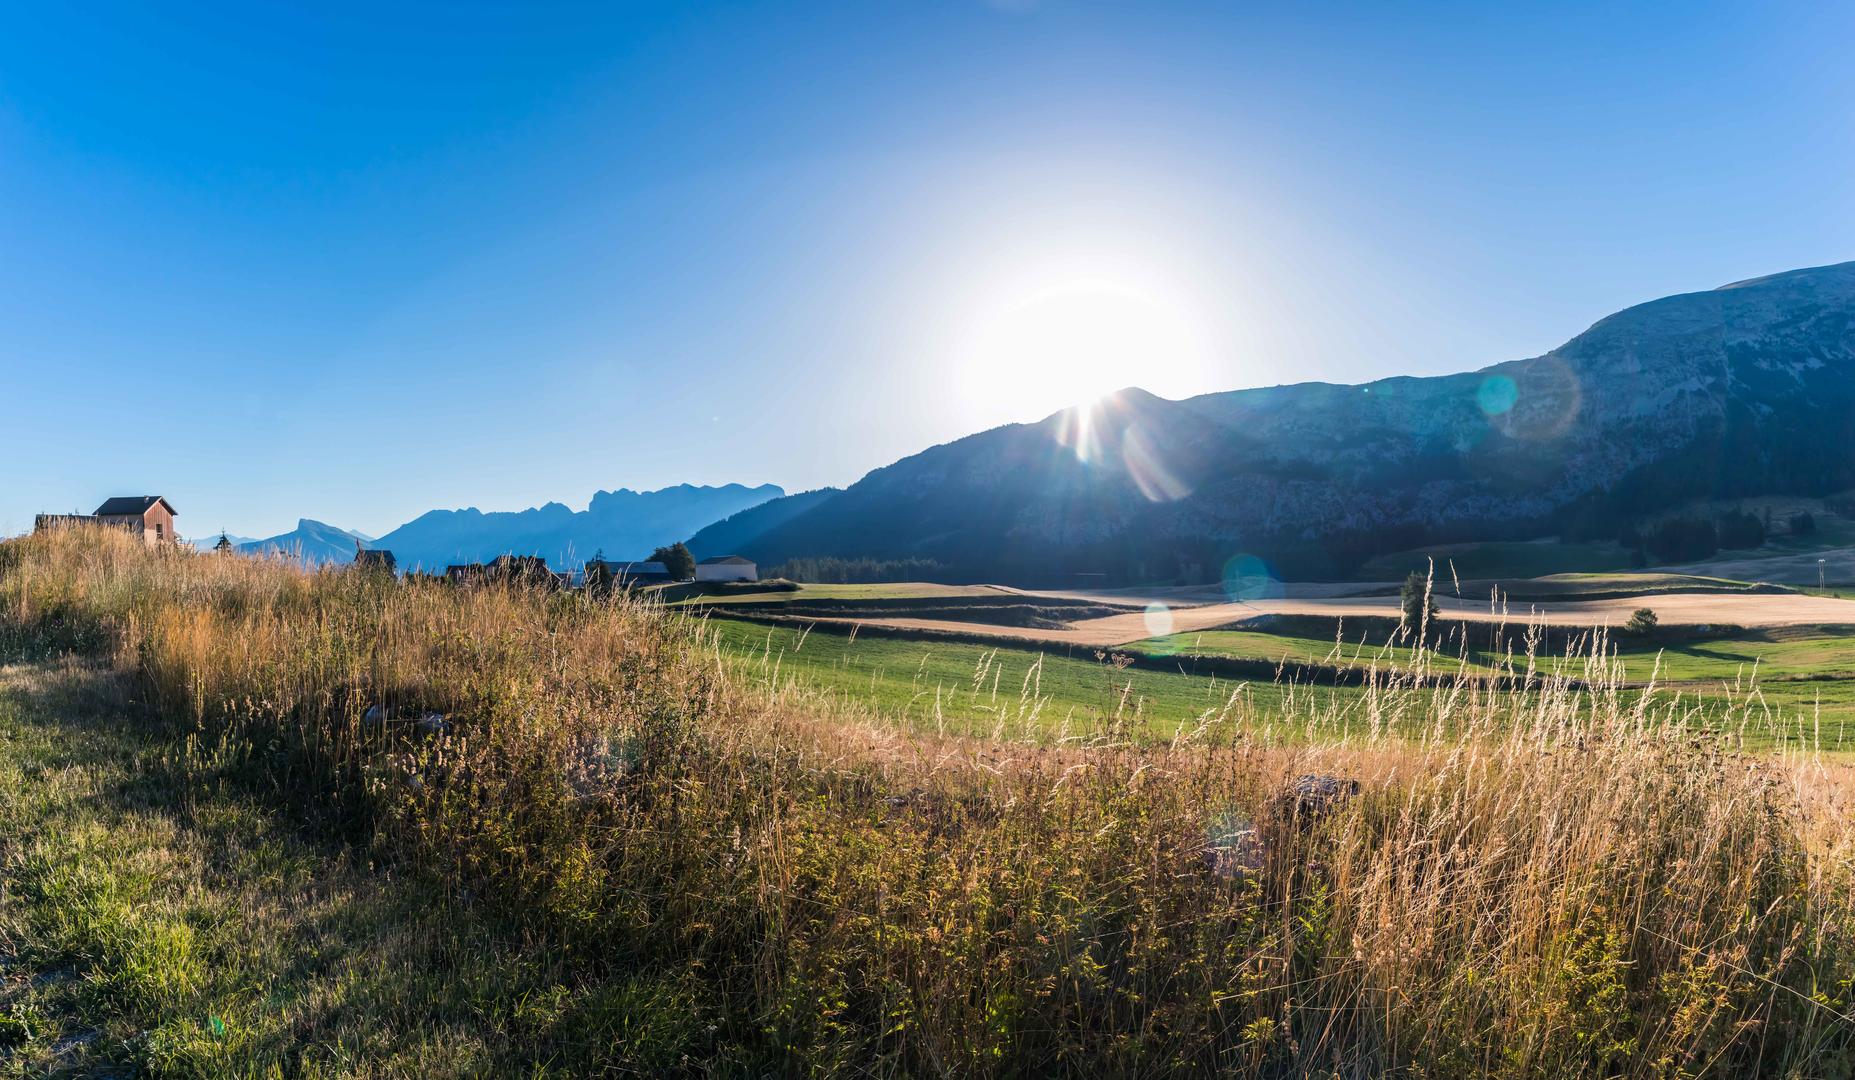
1072, 342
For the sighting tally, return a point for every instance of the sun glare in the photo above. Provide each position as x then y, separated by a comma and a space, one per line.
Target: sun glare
1071, 343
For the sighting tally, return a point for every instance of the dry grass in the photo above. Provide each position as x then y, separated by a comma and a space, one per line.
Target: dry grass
1558, 879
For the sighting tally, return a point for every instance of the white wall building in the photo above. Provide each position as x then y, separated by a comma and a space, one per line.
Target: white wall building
727, 568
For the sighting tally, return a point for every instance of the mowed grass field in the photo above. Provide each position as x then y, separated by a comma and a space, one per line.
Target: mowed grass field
1288, 648
1804, 673
1780, 685
1785, 654
970, 687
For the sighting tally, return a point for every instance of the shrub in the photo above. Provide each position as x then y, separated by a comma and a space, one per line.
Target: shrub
1642, 621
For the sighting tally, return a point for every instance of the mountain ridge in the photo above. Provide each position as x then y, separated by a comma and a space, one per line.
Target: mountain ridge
622, 523
1697, 394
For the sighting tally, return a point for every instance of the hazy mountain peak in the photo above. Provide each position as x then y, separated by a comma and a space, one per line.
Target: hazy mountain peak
312, 541
312, 525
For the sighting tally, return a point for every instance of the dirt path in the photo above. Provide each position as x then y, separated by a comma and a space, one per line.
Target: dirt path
1173, 616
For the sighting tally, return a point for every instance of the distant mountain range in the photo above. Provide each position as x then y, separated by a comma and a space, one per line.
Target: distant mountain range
623, 524
1742, 390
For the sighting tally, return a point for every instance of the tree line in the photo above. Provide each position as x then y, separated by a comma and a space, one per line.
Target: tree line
1687, 538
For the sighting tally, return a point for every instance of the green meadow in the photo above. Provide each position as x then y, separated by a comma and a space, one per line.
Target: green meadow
1791, 682
1805, 675
974, 687
1817, 654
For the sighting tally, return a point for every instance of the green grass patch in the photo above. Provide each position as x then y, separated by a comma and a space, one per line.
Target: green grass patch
1806, 675
971, 686
1773, 655
1289, 649
1767, 686
1780, 654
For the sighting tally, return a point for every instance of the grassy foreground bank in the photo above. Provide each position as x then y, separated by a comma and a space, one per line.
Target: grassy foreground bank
160, 921
735, 880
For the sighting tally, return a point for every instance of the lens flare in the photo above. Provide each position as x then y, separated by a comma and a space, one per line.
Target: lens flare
1247, 577
1148, 468
1545, 407
1079, 430
1496, 395
1158, 620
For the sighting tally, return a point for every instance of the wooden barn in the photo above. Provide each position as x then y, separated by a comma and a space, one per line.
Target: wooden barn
149, 516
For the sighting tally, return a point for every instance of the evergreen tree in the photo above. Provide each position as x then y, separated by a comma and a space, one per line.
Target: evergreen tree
1414, 597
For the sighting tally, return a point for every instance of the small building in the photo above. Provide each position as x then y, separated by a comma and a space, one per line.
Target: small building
374, 559
727, 568
150, 517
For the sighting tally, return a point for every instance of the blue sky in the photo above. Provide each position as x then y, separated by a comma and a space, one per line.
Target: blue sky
356, 262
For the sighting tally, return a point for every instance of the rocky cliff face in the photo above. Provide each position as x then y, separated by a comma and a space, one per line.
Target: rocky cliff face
1745, 389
